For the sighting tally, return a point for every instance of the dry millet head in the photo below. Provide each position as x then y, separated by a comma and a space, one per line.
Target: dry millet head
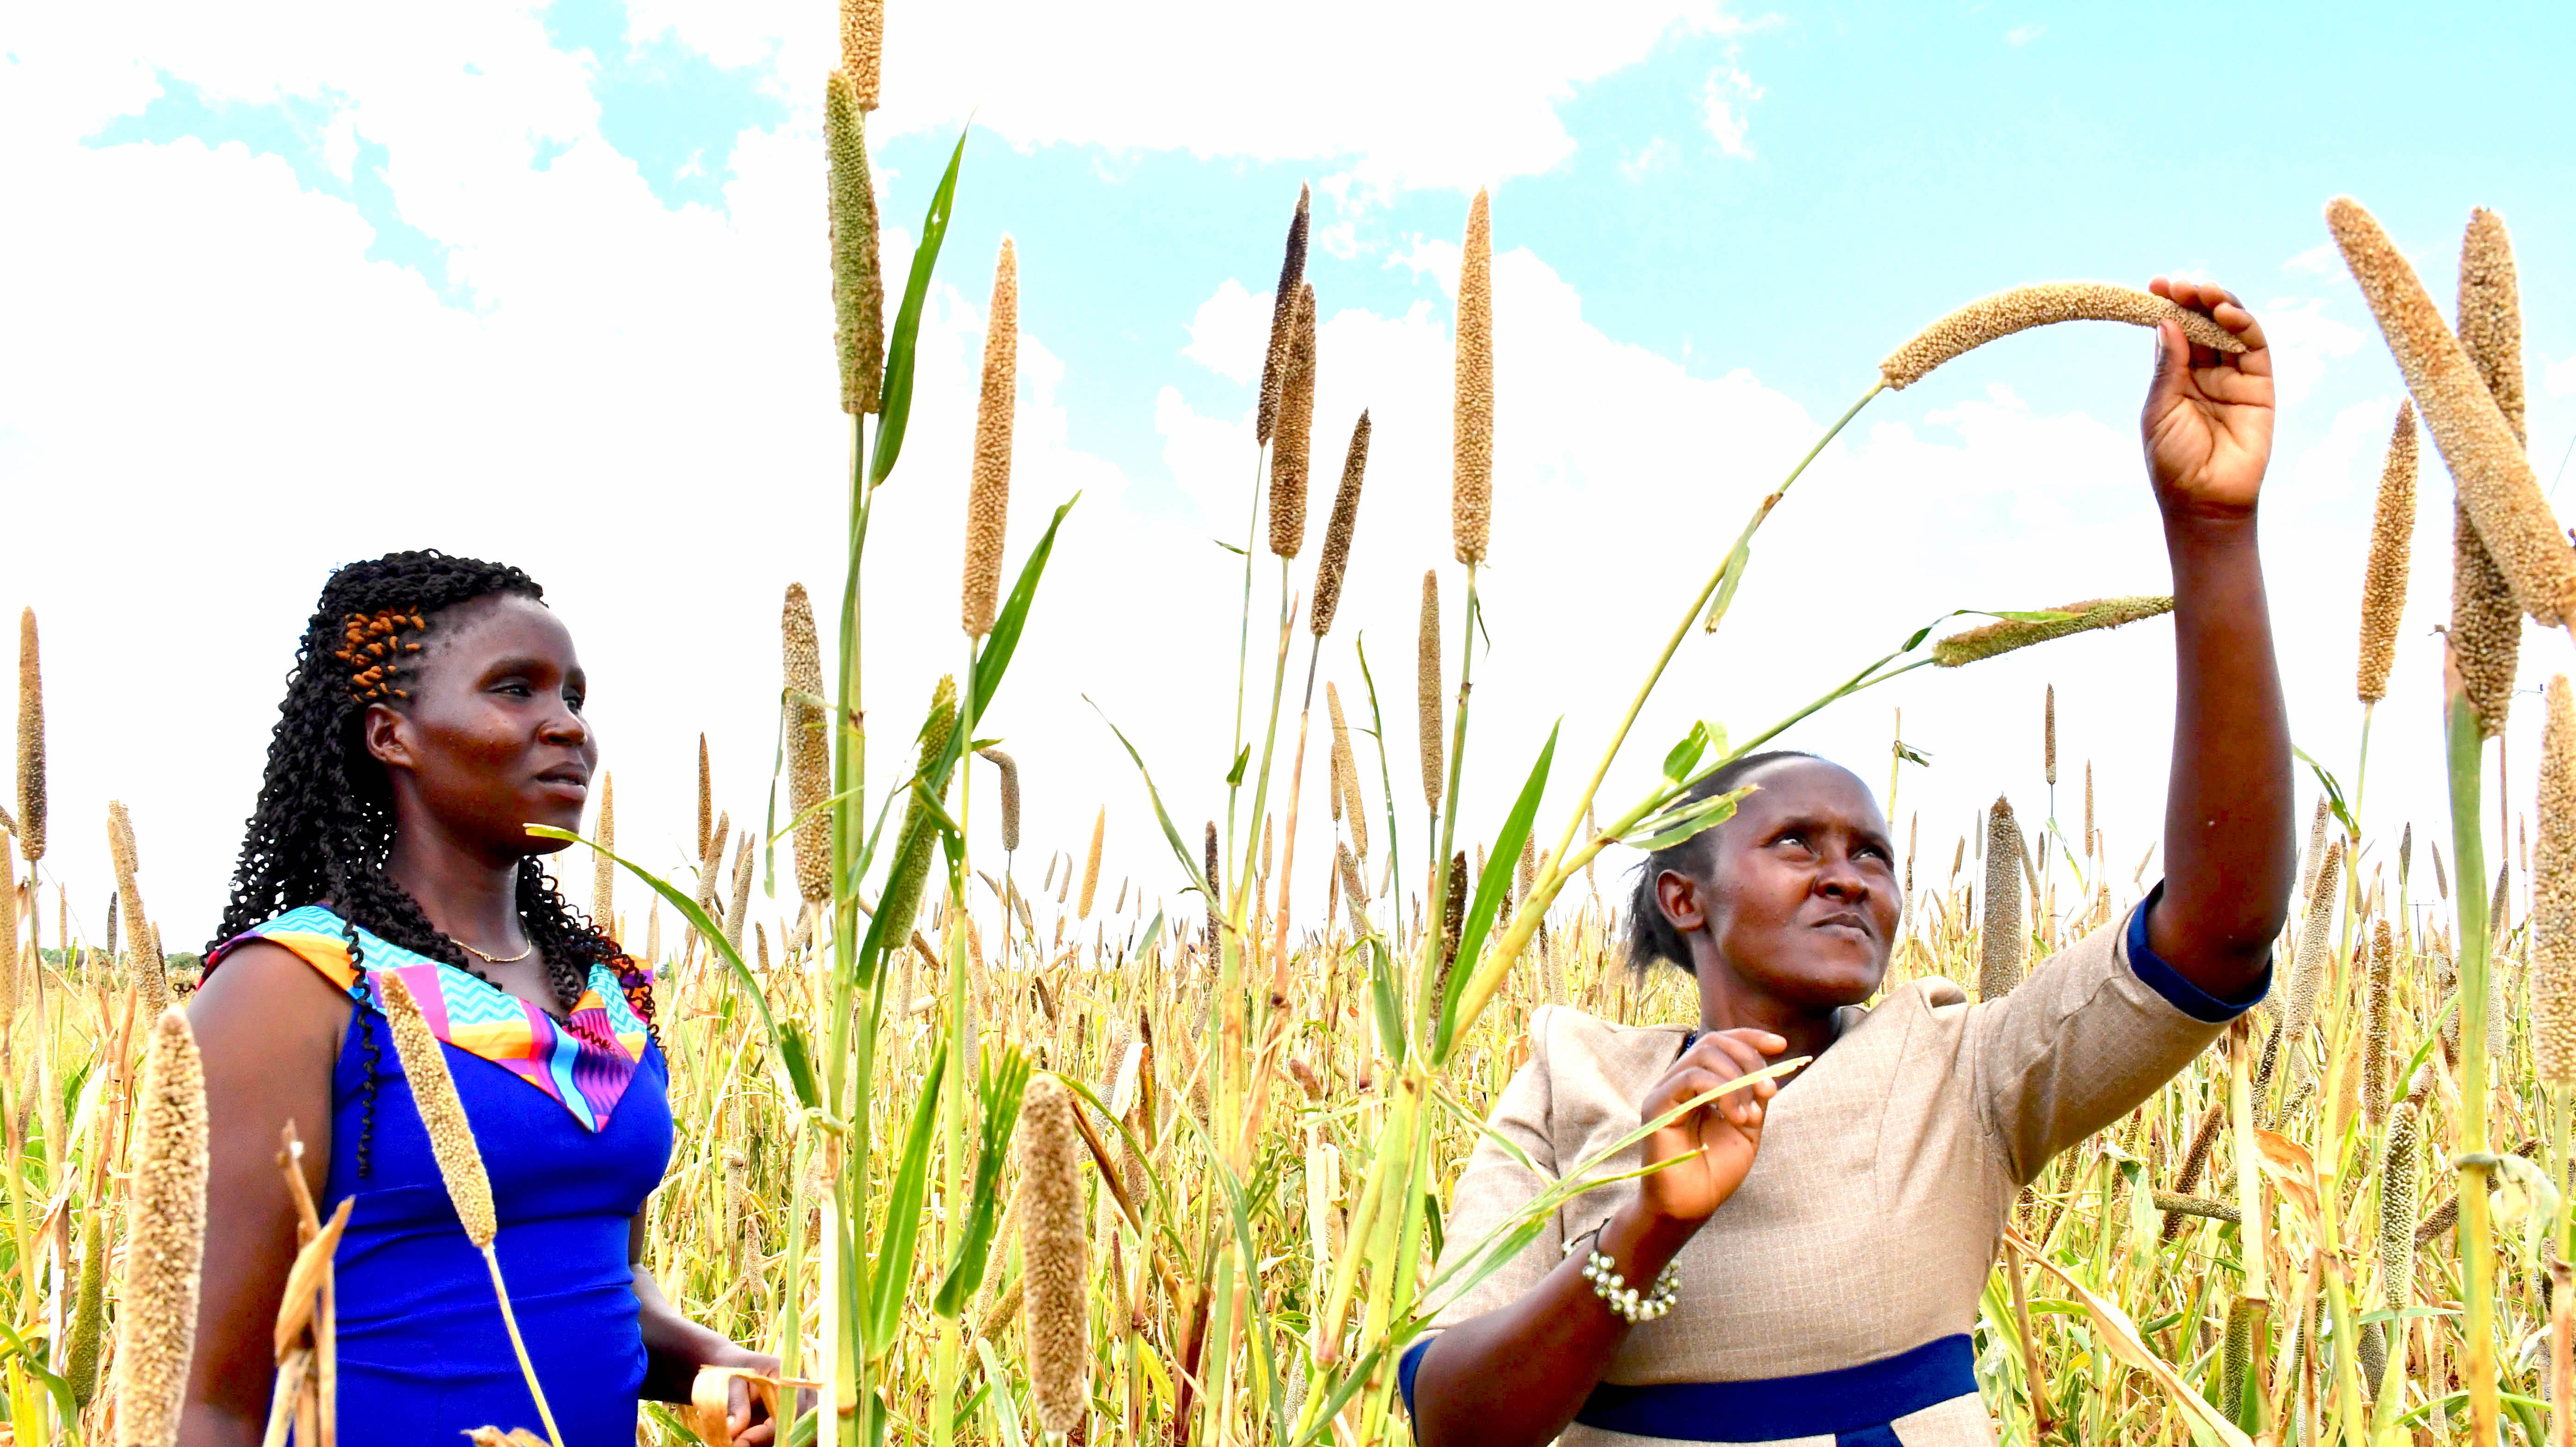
706, 801
863, 47
1337, 533
988, 500
2314, 955
1471, 487
1053, 1250
1283, 315
1354, 807
165, 1240
1010, 771
2486, 625
2006, 634
2397, 1205
2316, 849
603, 869
2392, 540
2042, 304
2005, 943
29, 826
2490, 310
433, 1091
1292, 444
858, 281
1427, 687
1091, 866
2553, 895
809, 744
2476, 439
2048, 731
2374, 1057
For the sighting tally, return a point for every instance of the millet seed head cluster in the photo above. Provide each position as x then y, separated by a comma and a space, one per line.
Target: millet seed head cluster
2041, 304
2392, 541
2004, 945
988, 498
1053, 1250
2006, 634
858, 283
165, 1239
1292, 446
2553, 894
809, 745
1336, 559
2476, 440
1283, 316
1471, 490
433, 1091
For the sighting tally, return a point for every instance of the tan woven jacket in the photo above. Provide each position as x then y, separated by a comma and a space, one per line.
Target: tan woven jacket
1871, 1216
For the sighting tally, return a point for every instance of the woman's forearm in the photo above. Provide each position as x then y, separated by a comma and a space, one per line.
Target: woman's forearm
2229, 855
674, 1346
1518, 1374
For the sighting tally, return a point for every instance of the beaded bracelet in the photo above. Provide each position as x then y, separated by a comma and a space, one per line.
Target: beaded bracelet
1622, 1298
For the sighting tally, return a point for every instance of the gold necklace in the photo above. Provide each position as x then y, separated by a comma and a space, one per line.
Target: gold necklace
496, 959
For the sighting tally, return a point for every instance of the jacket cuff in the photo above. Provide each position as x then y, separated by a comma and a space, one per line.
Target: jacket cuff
2153, 972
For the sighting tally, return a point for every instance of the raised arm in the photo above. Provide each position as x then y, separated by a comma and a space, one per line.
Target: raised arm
2229, 850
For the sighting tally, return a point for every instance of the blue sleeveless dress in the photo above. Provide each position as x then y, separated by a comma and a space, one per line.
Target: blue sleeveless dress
574, 1122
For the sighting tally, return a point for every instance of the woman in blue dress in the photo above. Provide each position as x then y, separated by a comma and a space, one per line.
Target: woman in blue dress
434, 711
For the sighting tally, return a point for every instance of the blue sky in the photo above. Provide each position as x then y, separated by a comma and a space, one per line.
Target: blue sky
545, 281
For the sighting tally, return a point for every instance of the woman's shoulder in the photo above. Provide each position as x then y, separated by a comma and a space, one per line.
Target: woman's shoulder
1573, 1049
312, 933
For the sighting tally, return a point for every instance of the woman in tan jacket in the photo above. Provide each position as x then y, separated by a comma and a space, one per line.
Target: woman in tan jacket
1809, 1271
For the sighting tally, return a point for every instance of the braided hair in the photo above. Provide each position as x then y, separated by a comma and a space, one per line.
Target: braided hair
1651, 936
324, 825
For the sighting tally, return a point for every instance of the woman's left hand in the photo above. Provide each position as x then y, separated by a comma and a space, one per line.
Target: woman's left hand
2208, 418
746, 1418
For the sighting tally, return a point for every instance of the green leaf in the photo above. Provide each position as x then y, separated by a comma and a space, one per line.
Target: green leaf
895, 401
995, 658
1005, 1080
1229, 547
1382, 994
1678, 762
1496, 882
2334, 792
902, 1220
1728, 580
1685, 819
1005, 1411
1242, 759
696, 919
1180, 851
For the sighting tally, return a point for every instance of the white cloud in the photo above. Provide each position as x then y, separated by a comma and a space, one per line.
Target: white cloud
1728, 93
2021, 35
1448, 94
2559, 375
1230, 335
1658, 154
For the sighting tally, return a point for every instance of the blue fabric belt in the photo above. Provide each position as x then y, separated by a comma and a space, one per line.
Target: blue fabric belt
1852, 1405
1846, 1403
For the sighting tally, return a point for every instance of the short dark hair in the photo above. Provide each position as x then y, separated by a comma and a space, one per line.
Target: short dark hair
1651, 936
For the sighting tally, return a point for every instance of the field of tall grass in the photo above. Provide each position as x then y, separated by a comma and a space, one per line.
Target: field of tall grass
986, 1154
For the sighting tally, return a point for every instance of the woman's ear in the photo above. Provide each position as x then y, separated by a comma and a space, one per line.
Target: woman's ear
386, 737
1679, 896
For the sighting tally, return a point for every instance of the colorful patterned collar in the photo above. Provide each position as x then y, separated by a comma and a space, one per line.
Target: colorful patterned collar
583, 1062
